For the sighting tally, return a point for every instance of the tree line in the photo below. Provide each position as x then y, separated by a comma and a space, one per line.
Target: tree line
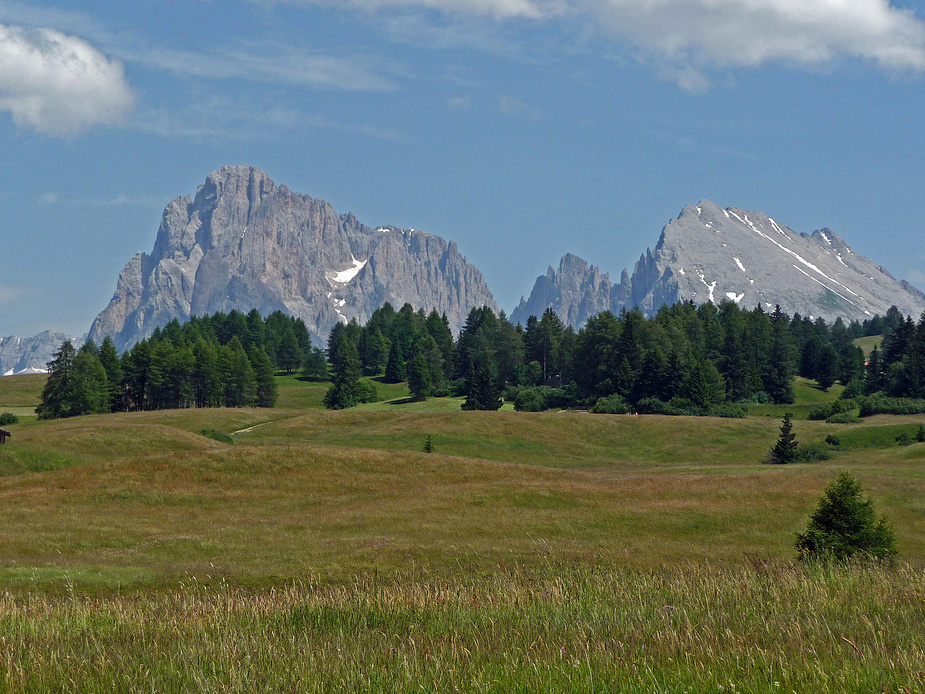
211, 361
686, 359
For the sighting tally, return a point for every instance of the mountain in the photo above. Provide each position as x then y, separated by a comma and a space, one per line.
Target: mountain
714, 254
244, 243
28, 354
575, 292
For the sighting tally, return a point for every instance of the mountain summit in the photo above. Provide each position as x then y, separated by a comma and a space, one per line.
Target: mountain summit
244, 243
714, 254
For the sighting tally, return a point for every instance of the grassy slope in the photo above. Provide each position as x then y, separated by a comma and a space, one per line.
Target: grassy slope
533, 551
342, 492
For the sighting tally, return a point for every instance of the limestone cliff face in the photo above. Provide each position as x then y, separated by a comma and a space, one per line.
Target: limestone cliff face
714, 254
29, 354
245, 243
575, 292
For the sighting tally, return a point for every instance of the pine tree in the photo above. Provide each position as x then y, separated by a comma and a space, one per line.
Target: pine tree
483, 391
345, 391
419, 380
785, 450
315, 365
267, 390
238, 379
109, 358
845, 524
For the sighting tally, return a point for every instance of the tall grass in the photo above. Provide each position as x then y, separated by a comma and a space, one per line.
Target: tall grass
764, 627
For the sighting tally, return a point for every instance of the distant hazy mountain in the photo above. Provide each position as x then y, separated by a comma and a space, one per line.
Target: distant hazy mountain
245, 243
28, 354
712, 254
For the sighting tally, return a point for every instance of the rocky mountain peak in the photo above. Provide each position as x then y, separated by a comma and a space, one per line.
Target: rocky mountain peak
713, 254
245, 243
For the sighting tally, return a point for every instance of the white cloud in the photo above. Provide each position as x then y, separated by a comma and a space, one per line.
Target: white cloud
262, 63
59, 84
534, 9
753, 32
687, 36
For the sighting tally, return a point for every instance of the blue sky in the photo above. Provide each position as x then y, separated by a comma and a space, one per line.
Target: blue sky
522, 129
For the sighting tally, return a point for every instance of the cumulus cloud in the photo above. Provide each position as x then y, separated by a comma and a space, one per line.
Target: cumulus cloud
59, 84
752, 32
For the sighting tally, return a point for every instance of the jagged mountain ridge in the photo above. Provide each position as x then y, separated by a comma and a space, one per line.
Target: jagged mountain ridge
244, 243
29, 354
714, 254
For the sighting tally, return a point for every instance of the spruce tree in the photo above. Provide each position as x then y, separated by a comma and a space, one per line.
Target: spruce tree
483, 391
845, 524
267, 390
109, 358
785, 450
54, 399
419, 379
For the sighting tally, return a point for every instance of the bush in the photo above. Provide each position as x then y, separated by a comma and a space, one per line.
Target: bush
685, 407
8, 418
366, 391
884, 405
812, 452
529, 400
612, 404
833, 440
845, 524
830, 409
904, 439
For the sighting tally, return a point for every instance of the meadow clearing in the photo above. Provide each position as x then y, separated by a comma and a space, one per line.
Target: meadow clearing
558, 551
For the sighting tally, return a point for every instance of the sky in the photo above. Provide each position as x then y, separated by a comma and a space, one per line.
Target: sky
521, 129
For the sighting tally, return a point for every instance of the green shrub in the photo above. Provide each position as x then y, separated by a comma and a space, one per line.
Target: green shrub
8, 418
830, 409
845, 524
883, 405
612, 404
812, 452
833, 440
529, 400
904, 439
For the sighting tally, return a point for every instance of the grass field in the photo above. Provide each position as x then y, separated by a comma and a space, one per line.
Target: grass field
324, 551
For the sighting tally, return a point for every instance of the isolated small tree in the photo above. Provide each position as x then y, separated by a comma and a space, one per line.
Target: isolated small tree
785, 450
845, 524
428, 445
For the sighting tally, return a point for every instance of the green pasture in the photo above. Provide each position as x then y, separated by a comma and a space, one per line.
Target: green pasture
300, 549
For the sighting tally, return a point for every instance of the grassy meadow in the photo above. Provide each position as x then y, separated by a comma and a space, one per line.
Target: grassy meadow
324, 551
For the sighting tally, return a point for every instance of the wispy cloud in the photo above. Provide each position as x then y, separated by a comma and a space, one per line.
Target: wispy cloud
685, 37
219, 118
59, 84
533, 9
260, 62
